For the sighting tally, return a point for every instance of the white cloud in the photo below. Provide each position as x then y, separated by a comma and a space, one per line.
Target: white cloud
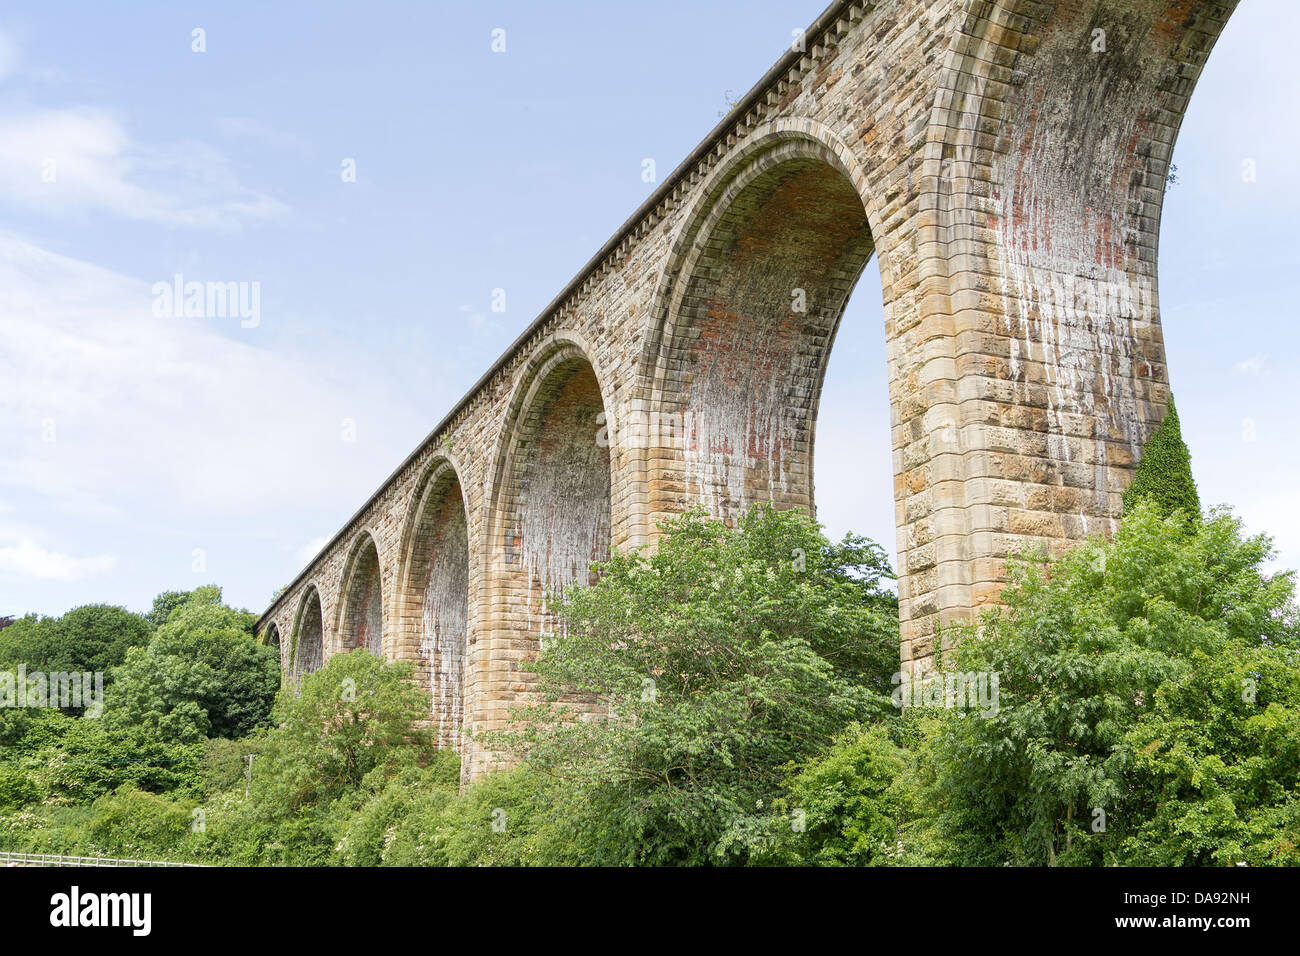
24, 558
83, 159
110, 411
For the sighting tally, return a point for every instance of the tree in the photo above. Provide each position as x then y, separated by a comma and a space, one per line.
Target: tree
77, 759
169, 601
1164, 475
202, 674
325, 771
708, 667
849, 806
135, 823
90, 639
1149, 706
355, 714
98, 637
32, 641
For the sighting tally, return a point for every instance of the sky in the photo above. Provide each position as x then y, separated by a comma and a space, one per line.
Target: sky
142, 452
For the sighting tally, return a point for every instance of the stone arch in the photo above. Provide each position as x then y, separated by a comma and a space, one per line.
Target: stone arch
550, 515
744, 318
1072, 195
308, 634
272, 638
433, 593
361, 599
1041, 349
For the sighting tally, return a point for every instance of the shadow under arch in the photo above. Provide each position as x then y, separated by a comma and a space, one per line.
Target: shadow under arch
308, 641
433, 593
744, 319
361, 598
549, 514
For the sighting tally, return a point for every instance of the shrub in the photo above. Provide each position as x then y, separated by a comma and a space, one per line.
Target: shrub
703, 670
1149, 706
1164, 475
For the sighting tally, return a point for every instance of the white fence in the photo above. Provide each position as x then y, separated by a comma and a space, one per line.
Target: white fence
42, 859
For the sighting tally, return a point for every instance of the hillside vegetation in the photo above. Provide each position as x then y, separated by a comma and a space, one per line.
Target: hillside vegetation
729, 699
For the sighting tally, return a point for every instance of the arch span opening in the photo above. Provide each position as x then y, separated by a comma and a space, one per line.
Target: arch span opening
765, 277
361, 620
309, 636
436, 596
555, 497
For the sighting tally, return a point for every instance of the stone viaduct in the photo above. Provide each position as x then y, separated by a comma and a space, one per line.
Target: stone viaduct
1003, 160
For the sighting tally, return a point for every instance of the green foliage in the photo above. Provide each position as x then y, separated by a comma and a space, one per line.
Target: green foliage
1164, 475
90, 639
1153, 679
339, 741
134, 824
724, 700
77, 759
202, 674
17, 788
59, 830
202, 667
169, 601
126, 784
500, 821
712, 664
124, 824
386, 825
354, 715
861, 803
226, 765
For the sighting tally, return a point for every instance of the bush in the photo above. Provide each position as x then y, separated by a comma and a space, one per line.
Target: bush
85, 758
134, 824
859, 804
1149, 706
17, 789
499, 821
703, 670
369, 826
202, 674
1164, 475
343, 738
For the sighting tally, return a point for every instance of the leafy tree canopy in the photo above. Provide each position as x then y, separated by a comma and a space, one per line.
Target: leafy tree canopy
1149, 706
202, 674
169, 601
94, 639
709, 665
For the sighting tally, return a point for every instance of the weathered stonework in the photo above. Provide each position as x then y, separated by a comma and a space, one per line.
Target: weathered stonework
1004, 161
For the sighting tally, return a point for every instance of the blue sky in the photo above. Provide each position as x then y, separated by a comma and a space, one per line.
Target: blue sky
140, 453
